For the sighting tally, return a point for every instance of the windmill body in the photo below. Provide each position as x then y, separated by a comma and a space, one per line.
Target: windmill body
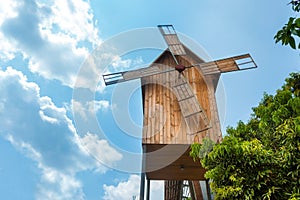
180, 109
173, 106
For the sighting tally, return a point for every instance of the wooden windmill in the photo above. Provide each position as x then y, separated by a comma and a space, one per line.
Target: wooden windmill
179, 108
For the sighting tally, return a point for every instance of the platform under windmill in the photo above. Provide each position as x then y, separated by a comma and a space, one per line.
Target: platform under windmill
179, 106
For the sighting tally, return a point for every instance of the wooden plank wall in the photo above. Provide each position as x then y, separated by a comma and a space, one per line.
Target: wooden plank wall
214, 133
173, 190
163, 122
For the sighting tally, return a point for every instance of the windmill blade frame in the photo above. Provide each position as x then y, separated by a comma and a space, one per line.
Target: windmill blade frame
119, 77
171, 38
235, 63
192, 112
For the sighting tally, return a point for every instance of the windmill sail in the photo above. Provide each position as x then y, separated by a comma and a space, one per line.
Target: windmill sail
193, 113
235, 63
135, 74
172, 40
241, 62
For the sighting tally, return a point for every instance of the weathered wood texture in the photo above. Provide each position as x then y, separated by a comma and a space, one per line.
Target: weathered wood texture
172, 190
171, 162
178, 110
169, 118
196, 191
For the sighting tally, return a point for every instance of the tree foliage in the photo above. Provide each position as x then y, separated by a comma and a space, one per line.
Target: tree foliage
290, 31
260, 159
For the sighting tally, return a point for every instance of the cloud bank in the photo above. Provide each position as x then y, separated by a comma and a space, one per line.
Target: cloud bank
43, 132
54, 36
125, 190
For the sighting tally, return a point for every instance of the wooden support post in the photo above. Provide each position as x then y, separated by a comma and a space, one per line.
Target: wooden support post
192, 190
142, 186
197, 191
148, 190
208, 190
143, 175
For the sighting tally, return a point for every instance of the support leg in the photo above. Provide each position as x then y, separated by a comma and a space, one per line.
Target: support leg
142, 186
143, 175
148, 190
208, 190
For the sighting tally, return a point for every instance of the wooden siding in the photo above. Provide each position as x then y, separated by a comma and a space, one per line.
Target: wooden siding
173, 190
164, 122
171, 162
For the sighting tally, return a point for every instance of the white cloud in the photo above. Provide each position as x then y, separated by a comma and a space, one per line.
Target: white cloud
75, 19
103, 104
104, 60
54, 184
24, 148
125, 190
49, 112
89, 108
121, 64
42, 131
100, 149
7, 10
55, 36
157, 190
58, 185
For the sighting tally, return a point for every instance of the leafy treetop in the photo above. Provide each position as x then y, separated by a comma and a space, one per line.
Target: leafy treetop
259, 159
291, 30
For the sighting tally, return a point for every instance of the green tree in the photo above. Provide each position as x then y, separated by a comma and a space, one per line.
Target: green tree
259, 159
290, 31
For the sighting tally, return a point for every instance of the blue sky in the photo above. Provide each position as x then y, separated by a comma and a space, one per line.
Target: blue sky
51, 146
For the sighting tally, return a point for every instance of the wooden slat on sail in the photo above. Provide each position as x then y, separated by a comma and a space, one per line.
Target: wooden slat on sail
172, 39
135, 74
191, 110
235, 63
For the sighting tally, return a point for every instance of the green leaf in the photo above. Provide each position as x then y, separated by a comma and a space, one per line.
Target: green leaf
297, 22
291, 21
260, 159
297, 32
292, 42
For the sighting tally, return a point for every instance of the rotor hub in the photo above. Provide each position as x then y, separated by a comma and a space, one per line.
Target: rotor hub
180, 68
